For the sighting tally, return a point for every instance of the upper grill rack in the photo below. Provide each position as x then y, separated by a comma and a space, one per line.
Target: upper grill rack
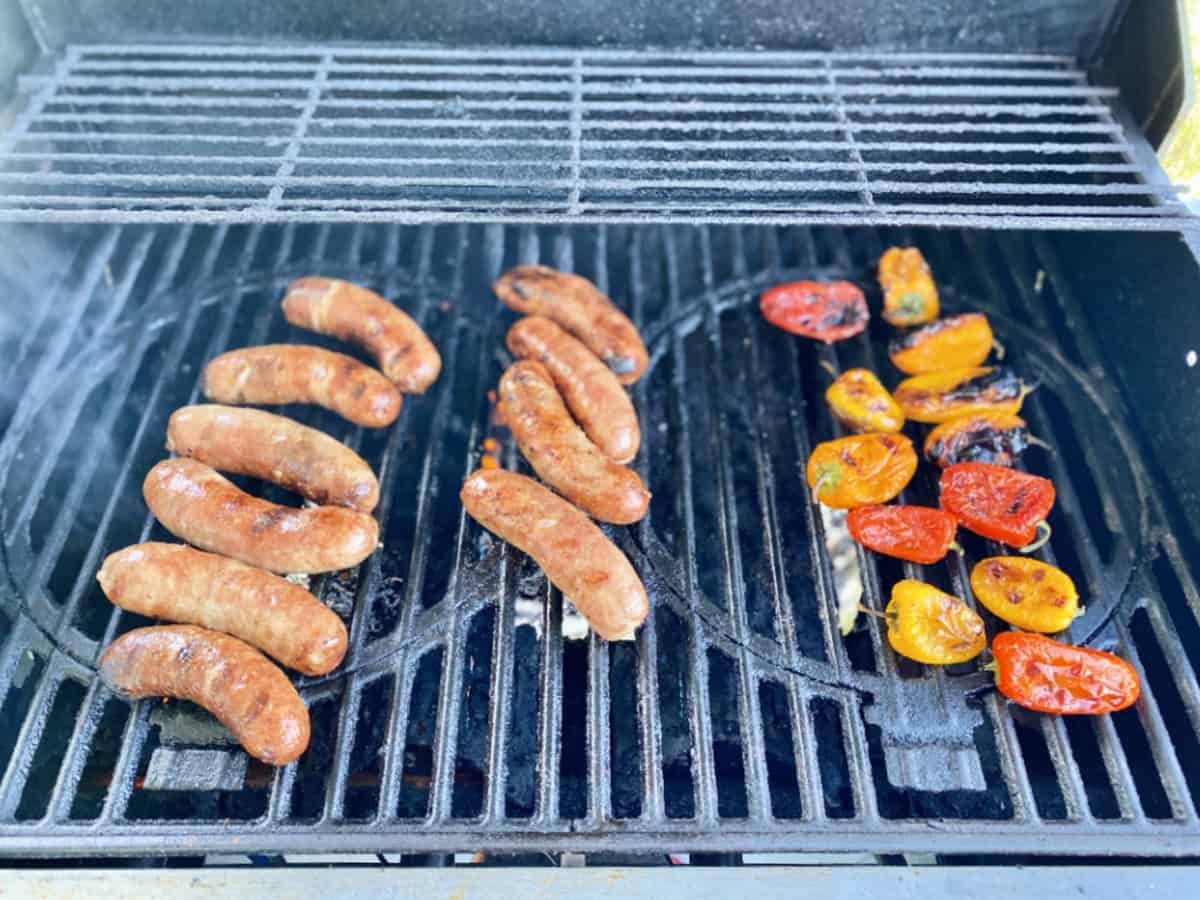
146, 132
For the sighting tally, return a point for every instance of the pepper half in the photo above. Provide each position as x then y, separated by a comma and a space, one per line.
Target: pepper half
909, 295
1044, 675
932, 627
861, 470
919, 534
859, 401
941, 396
1028, 593
956, 342
996, 438
825, 311
1002, 504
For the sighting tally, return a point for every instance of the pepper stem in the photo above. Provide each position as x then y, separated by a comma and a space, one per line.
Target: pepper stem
829, 367
957, 548
993, 667
872, 612
1038, 442
999, 348
1043, 528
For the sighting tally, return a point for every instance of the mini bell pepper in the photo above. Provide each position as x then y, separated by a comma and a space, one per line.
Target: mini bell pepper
941, 396
1002, 504
1044, 675
909, 295
861, 403
918, 534
861, 470
996, 438
1028, 593
826, 311
932, 627
956, 342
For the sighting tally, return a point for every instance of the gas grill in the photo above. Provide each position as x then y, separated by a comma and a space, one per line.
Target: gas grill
157, 198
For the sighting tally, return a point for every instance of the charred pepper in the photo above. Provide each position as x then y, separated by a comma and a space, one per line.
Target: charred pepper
919, 534
1044, 675
859, 401
996, 438
1002, 504
1028, 593
932, 627
956, 342
825, 311
861, 470
909, 295
941, 396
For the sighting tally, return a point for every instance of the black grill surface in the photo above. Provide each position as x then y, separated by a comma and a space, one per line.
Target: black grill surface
469, 713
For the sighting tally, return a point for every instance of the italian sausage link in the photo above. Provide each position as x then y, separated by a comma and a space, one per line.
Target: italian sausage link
196, 504
593, 393
561, 453
576, 304
573, 552
295, 373
274, 448
179, 584
355, 314
245, 691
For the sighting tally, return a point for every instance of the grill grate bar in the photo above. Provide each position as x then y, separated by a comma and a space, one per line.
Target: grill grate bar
28, 738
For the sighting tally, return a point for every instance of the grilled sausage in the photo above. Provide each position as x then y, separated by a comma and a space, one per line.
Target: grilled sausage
274, 448
179, 584
198, 505
560, 452
575, 304
593, 393
355, 314
295, 373
573, 552
246, 691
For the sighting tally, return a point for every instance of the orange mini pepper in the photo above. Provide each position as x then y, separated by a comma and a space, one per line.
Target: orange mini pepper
941, 396
861, 470
956, 342
909, 295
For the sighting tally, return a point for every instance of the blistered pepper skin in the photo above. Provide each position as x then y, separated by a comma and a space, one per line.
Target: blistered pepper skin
941, 396
955, 342
909, 295
931, 626
1044, 675
1028, 593
1005, 505
996, 438
828, 312
861, 470
861, 403
918, 534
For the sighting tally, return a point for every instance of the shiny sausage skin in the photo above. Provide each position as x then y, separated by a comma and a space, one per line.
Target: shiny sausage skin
561, 453
573, 552
296, 373
196, 504
593, 393
359, 316
247, 692
180, 584
274, 448
575, 304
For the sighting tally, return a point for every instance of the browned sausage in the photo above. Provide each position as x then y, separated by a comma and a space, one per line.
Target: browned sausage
575, 304
196, 504
355, 314
296, 373
179, 584
561, 453
592, 391
274, 448
575, 555
246, 691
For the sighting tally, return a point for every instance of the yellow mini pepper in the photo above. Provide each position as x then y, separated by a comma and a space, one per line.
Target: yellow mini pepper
1028, 593
931, 626
909, 295
860, 402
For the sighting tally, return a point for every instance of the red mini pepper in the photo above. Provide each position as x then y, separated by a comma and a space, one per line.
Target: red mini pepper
1002, 504
825, 311
916, 533
1044, 675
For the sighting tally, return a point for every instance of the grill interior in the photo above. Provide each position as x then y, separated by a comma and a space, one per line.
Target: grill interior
467, 715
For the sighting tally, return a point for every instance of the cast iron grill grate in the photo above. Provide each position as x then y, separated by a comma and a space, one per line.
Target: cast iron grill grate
464, 719
228, 133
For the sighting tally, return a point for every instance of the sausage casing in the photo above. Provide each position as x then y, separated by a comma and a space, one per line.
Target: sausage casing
561, 453
593, 393
579, 307
573, 552
274, 448
297, 373
180, 584
197, 504
354, 314
247, 692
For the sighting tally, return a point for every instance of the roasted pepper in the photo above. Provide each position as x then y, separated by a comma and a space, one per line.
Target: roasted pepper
909, 295
996, 438
826, 311
932, 627
1028, 593
998, 503
919, 534
956, 342
861, 470
941, 396
861, 403
1044, 675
